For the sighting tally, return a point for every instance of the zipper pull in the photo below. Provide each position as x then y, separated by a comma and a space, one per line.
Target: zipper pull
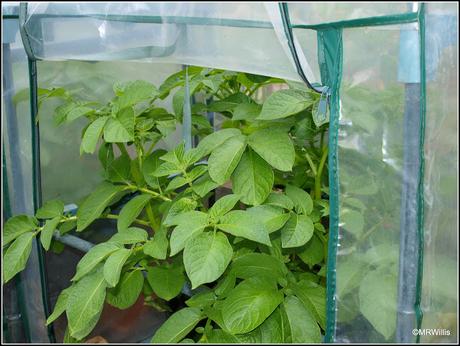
321, 116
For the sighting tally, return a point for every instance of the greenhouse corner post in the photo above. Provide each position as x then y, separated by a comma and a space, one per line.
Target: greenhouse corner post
37, 187
36, 169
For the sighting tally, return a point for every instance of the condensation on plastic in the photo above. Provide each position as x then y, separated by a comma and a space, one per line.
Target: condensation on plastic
17, 146
370, 156
247, 37
440, 275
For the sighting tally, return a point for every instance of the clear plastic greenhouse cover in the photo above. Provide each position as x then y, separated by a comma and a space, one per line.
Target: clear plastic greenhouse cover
382, 87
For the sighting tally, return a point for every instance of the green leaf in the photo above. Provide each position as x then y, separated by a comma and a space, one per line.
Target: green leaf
180, 206
127, 291
224, 159
114, 264
214, 140
279, 200
201, 300
15, 258
220, 336
284, 103
246, 111
297, 231
272, 217
242, 224
150, 164
203, 185
119, 170
273, 330
249, 304
223, 205
47, 232
312, 253
225, 285
131, 235
92, 258
60, 305
94, 204
177, 326
302, 324
252, 179
158, 246
50, 210
131, 211
85, 303
135, 92
352, 221
166, 281
175, 183
301, 199
121, 128
190, 225
206, 257
274, 146
314, 300
18, 225
258, 264
92, 135
377, 301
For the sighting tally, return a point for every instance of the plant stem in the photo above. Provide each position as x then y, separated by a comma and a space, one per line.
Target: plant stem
319, 174
150, 192
151, 216
122, 148
310, 162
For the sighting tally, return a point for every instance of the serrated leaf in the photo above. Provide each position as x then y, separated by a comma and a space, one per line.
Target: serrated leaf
95, 203
85, 303
248, 305
297, 231
126, 293
131, 211
131, 235
302, 324
92, 258
284, 103
158, 246
47, 232
177, 326
166, 282
92, 134
224, 159
252, 179
242, 224
16, 226
15, 258
206, 257
223, 205
301, 199
114, 264
275, 146
60, 305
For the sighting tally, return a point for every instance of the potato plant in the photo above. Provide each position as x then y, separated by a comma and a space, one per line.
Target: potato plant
240, 219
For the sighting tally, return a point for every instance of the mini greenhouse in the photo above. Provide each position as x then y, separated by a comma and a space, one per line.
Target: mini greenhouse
252, 172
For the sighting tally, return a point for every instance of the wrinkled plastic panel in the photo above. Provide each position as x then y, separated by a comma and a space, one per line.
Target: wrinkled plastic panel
440, 274
66, 174
17, 146
370, 156
244, 37
326, 12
